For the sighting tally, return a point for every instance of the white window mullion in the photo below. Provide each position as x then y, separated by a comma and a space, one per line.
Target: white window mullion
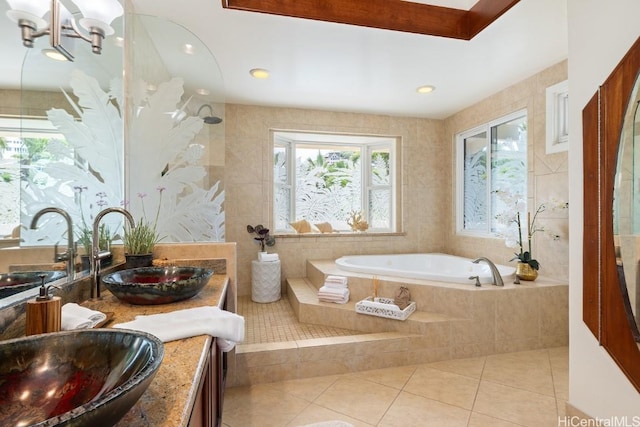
291, 178
365, 181
489, 170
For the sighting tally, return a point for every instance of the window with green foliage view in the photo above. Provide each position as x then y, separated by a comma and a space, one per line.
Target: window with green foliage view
326, 177
24, 156
491, 174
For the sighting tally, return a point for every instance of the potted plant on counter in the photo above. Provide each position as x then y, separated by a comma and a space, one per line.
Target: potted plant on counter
140, 240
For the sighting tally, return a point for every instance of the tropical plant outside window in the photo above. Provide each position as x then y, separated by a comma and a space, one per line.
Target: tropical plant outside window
492, 174
24, 157
326, 177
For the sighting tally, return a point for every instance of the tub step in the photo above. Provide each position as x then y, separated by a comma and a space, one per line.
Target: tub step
263, 363
303, 298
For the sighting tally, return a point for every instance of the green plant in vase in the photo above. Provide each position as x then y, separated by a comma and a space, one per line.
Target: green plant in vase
140, 240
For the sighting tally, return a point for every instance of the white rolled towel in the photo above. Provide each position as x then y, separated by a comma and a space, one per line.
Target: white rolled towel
191, 322
75, 316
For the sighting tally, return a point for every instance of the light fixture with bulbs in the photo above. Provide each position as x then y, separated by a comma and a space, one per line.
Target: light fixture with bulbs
96, 20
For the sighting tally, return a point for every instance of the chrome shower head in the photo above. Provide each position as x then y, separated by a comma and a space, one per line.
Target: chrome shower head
210, 119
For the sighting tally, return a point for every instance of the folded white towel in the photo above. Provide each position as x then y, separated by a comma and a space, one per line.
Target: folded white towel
339, 280
337, 295
191, 322
265, 257
335, 301
334, 285
75, 316
333, 291
70, 322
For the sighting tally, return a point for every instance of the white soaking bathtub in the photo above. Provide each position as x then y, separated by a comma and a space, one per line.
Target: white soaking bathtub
427, 266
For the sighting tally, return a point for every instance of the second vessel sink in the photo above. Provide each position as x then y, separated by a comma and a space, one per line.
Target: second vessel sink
157, 285
75, 378
13, 283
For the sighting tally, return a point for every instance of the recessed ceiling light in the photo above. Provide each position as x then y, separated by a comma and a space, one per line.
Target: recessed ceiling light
189, 49
259, 73
425, 89
203, 92
53, 54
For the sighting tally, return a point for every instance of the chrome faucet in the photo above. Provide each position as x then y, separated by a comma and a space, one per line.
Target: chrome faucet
497, 278
70, 256
96, 255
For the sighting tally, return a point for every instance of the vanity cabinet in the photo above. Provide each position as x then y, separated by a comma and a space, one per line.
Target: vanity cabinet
207, 408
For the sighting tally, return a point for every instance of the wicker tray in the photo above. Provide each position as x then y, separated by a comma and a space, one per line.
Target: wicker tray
384, 307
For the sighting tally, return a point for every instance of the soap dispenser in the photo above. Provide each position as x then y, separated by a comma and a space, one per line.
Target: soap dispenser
44, 313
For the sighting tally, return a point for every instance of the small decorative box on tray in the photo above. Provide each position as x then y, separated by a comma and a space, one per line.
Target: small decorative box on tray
384, 307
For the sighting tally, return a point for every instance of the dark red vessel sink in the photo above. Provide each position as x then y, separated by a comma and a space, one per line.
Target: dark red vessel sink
157, 285
75, 378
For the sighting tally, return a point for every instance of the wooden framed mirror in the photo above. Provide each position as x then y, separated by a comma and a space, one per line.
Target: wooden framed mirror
609, 123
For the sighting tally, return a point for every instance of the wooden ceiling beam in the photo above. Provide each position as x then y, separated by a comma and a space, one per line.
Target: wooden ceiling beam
484, 12
396, 15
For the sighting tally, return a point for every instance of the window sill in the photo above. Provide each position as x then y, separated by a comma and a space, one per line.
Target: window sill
348, 234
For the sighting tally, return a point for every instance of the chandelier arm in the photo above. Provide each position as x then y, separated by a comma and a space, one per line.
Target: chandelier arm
76, 31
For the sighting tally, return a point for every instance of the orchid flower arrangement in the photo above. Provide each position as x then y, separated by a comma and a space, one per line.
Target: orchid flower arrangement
525, 256
525, 230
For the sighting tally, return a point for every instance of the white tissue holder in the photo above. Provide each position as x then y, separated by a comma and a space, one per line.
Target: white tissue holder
384, 307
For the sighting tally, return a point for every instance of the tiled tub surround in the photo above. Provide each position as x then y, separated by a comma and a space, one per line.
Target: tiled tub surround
451, 322
484, 320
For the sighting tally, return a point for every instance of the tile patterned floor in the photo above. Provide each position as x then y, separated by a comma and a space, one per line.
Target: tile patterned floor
276, 322
526, 388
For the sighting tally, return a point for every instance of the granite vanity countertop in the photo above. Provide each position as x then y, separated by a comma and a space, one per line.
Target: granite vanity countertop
169, 399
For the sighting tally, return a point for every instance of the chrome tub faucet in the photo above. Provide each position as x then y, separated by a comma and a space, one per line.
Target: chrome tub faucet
495, 274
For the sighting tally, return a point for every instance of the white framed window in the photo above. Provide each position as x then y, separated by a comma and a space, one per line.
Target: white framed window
557, 117
24, 154
324, 177
491, 174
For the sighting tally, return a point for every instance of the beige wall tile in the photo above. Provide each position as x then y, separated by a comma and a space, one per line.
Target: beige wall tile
545, 170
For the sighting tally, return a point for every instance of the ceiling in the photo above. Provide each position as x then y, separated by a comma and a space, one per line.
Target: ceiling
340, 67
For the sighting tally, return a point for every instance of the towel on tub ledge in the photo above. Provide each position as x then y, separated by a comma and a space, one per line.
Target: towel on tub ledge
337, 295
191, 322
336, 281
